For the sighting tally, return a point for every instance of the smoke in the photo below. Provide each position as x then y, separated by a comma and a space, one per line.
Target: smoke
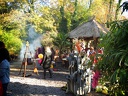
34, 40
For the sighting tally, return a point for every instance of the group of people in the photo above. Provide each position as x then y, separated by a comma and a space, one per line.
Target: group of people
95, 72
46, 61
92, 56
4, 68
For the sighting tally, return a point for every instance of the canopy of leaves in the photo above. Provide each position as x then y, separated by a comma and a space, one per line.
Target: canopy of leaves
55, 15
114, 64
125, 6
15, 21
13, 44
61, 42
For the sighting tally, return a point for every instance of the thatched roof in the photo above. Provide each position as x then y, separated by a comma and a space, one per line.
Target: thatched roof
90, 29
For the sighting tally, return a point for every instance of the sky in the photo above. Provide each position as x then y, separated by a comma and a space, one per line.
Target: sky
125, 14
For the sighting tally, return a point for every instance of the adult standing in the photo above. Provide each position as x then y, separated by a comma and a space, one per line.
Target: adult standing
46, 62
53, 54
4, 67
40, 50
6, 54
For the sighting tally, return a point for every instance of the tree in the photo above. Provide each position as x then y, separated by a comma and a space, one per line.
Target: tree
114, 64
19, 14
125, 6
55, 16
12, 29
12, 43
66, 17
61, 42
106, 11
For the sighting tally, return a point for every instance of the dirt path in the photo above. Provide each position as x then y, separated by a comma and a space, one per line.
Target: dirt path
35, 85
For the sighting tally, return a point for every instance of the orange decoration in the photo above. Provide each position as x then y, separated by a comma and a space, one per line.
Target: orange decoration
78, 46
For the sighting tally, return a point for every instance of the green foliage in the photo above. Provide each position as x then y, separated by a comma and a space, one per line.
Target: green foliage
12, 30
63, 26
63, 16
81, 15
115, 59
13, 44
44, 22
8, 5
70, 16
63, 21
125, 6
61, 42
47, 40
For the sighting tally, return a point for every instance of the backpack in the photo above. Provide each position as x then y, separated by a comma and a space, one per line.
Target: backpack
46, 62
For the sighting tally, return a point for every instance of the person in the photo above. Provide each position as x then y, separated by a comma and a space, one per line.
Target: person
36, 53
6, 53
95, 78
78, 46
40, 50
46, 63
53, 54
4, 68
72, 61
2, 45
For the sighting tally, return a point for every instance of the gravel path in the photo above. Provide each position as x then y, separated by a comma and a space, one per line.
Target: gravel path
35, 85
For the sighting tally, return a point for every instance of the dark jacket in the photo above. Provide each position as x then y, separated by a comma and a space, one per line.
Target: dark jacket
46, 62
4, 66
4, 54
5, 71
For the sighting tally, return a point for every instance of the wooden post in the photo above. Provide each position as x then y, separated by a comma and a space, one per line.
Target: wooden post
28, 61
24, 62
95, 43
25, 57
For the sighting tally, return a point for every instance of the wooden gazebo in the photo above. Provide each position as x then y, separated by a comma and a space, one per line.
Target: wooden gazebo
91, 30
